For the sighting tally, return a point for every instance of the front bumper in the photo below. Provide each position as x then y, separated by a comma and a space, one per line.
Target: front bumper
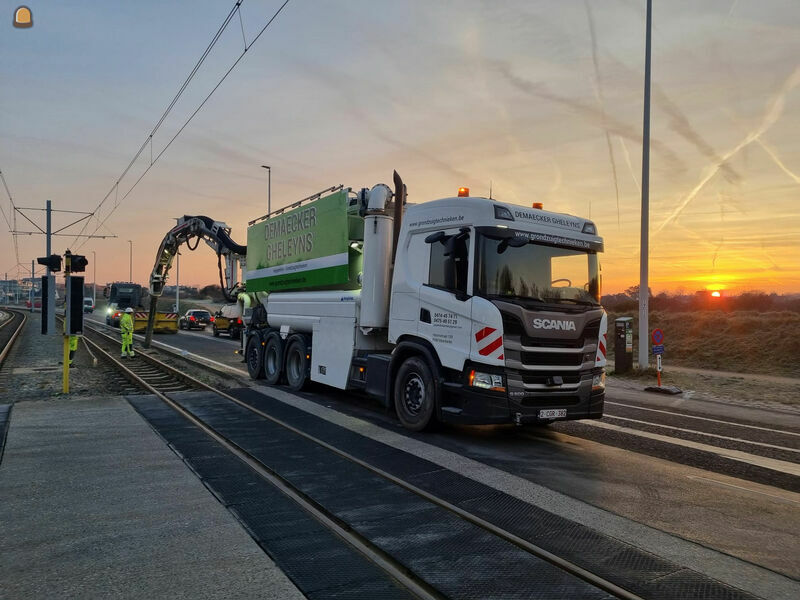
465, 404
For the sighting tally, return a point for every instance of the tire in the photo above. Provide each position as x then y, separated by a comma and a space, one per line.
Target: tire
273, 358
215, 331
295, 364
415, 394
235, 333
254, 356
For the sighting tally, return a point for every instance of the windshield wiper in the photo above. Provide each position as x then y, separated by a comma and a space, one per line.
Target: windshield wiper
515, 297
573, 300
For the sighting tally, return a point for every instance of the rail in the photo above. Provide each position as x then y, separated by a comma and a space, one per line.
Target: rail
18, 317
415, 584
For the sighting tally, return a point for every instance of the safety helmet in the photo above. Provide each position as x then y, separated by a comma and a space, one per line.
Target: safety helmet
129, 310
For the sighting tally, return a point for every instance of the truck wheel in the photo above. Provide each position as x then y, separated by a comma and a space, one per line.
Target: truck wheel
215, 331
236, 333
415, 394
273, 358
296, 364
254, 355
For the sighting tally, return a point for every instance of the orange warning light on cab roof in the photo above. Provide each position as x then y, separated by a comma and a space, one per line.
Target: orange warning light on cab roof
538, 205
463, 192
23, 17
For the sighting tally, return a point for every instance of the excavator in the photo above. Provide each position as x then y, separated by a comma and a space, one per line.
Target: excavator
217, 235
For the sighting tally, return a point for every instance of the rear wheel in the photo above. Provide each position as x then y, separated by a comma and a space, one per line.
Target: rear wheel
215, 331
254, 355
273, 358
415, 394
296, 364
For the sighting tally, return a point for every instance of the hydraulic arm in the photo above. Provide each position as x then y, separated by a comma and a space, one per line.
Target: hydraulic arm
216, 235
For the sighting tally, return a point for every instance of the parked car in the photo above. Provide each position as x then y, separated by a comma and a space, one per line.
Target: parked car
195, 319
88, 305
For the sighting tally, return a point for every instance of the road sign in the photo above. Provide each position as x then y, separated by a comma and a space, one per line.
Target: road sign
658, 349
658, 364
657, 336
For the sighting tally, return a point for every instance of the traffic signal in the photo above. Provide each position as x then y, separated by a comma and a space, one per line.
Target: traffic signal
53, 262
78, 263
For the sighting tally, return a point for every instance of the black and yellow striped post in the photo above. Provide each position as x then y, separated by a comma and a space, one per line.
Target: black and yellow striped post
68, 295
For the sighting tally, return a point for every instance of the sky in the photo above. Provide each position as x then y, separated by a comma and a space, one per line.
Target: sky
541, 99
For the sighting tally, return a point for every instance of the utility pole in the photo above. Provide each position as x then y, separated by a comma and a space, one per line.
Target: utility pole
32, 280
51, 279
94, 279
644, 248
269, 188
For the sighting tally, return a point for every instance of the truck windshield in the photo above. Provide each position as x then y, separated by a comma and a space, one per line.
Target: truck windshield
537, 272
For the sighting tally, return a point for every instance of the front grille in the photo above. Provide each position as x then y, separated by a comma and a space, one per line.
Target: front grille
512, 326
531, 379
552, 359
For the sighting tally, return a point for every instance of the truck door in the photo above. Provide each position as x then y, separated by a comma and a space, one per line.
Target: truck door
445, 306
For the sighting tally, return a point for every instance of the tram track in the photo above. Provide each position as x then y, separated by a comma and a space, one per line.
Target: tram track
9, 331
175, 389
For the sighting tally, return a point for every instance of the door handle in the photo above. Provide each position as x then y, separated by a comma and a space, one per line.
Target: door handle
424, 315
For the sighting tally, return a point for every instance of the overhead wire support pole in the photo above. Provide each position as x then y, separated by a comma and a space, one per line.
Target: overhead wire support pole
644, 248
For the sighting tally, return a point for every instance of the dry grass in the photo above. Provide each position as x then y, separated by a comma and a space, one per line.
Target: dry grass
747, 342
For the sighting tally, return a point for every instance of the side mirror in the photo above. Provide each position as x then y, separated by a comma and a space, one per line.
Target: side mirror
437, 236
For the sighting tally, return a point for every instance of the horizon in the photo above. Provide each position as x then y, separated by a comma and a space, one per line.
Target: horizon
538, 104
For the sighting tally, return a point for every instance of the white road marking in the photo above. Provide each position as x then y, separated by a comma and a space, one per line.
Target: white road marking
714, 435
772, 464
741, 487
676, 414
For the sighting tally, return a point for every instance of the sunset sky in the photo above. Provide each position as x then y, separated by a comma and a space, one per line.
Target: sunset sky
542, 98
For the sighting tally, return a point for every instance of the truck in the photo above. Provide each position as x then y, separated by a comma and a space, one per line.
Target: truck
462, 309
125, 294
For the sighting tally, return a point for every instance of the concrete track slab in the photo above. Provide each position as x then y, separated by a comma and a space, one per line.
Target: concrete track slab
94, 504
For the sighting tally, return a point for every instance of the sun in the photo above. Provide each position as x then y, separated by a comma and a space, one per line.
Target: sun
715, 294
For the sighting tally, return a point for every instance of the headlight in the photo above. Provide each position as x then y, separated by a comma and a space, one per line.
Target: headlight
108, 311
599, 382
486, 381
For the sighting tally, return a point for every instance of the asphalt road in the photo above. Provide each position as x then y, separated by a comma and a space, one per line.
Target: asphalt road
723, 476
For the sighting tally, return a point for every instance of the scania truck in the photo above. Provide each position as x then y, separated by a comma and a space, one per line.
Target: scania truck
462, 309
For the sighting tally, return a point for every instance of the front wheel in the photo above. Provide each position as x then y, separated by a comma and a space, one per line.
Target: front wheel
415, 394
254, 355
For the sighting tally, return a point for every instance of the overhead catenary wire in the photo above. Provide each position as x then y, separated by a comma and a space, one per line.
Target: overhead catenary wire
149, 139
155, 159
12, 223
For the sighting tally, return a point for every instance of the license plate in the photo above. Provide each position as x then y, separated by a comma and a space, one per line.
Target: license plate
553, 413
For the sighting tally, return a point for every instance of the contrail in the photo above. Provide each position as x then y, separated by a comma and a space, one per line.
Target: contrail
614, 125
628, 161
772, 115
681, 125
598, 94
771, 151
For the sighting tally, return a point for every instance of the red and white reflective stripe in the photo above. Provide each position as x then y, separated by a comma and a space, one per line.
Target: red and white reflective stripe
489, 342
171, 316
140, 315
602, 345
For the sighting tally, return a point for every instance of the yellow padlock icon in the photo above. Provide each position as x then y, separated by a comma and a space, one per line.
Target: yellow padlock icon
23, 17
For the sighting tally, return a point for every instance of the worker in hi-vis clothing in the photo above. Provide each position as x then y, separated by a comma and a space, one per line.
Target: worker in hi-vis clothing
126, 329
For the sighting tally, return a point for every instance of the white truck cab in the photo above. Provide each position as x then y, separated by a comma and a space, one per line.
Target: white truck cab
463, 309
506, 300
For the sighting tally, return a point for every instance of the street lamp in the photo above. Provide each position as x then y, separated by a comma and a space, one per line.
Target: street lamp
269, 188
130, 272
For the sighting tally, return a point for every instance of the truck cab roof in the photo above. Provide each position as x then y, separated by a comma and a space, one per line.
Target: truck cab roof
470, 211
